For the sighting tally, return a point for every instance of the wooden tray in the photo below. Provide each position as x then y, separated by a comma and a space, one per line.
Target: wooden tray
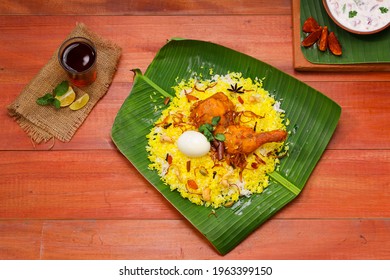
302, 64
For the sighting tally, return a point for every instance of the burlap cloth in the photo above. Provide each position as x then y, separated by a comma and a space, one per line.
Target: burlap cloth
45, 122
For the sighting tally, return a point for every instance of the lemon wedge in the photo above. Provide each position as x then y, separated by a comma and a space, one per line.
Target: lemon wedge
67, 98
80, 102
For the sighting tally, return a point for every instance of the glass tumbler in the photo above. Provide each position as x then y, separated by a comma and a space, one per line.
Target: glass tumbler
77, 57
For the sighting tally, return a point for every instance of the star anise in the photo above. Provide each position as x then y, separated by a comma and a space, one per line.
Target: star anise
236, 89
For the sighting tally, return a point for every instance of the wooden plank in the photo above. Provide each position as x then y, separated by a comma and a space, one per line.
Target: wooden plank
141, 7
345, 184
302, 64
364, 113
82, 185
84, 200
20, 239
76, 184
141, 38
154, 239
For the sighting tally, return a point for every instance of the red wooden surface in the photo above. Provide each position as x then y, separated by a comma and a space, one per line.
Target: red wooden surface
93, 204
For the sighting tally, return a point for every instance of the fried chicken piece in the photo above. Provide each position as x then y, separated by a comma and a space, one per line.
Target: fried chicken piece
239, 139
216, 105
243, 140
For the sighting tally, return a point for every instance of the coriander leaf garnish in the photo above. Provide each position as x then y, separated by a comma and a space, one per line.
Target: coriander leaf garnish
215, 120
352, 14
207, 130
206, 126
220, 137
383, 10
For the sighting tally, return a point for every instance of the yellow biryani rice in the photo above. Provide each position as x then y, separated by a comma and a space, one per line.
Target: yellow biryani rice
218, 183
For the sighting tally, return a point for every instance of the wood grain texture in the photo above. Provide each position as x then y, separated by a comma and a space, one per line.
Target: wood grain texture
148, 7
266, 37
84, 200
137, 239
340, 187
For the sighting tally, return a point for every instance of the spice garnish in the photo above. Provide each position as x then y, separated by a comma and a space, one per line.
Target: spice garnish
235, 88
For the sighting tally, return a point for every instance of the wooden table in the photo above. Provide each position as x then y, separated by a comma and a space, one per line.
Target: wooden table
84, 200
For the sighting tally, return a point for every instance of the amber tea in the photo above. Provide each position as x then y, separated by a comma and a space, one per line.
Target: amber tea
78, 57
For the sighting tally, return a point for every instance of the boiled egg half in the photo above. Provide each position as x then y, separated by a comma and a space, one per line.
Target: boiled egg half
193, 144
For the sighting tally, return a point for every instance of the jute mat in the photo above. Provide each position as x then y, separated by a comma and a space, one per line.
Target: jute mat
42, 123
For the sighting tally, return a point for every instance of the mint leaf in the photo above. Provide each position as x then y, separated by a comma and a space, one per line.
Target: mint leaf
47, 99
57, 103
384, 10
61, 88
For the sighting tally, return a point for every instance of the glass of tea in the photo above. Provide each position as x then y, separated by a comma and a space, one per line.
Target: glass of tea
78, 58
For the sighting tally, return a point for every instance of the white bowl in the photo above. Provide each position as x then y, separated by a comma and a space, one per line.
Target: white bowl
364, 19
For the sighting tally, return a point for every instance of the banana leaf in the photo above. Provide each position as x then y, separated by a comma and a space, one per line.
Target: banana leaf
374, 48
313, 119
